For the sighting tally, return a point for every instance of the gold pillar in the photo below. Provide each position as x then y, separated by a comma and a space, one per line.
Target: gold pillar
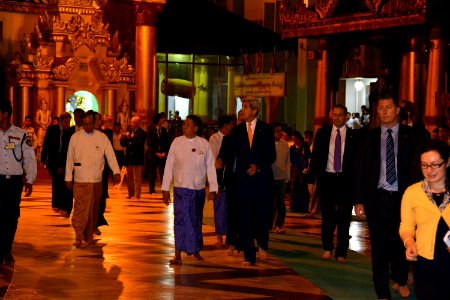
110, 106
321, 114
434, 110
146, 17
12, 98
60, 106
25, 103
407, 73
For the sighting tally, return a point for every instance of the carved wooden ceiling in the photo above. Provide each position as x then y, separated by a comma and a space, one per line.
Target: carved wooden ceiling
327, 17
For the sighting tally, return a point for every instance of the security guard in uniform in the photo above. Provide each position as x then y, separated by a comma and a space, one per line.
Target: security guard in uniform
16, 159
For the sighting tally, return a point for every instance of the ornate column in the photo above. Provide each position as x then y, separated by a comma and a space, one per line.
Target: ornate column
60, 105
406, 90
146, 17
321, 113
109, 106
12, 98
24, 108
434, 109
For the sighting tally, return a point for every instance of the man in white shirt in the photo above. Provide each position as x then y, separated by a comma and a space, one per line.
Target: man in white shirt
226, 124
85, 162
189, 162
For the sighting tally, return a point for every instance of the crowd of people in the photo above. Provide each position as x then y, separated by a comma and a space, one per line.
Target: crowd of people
393, 174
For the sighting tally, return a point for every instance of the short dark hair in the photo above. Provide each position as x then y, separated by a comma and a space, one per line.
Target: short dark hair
90, 113
341, 106
117, 124
6, 107
223, 120
388, 97
65, 115
298, 135
157, 117
196, 119
28, 117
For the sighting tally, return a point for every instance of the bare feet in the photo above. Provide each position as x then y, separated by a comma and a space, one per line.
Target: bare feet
326, 255
198, 257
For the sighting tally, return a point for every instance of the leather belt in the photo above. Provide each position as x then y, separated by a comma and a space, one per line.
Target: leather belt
386, 192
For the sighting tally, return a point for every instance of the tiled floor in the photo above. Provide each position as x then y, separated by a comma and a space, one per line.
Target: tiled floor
130, 259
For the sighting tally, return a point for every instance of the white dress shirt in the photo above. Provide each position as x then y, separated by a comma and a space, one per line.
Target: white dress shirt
343, 132
86, 157
215, 141
188, 163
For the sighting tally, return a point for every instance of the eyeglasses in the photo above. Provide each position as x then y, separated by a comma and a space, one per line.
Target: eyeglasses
433, 165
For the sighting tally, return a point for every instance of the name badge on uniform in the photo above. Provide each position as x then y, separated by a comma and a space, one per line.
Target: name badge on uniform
10, 146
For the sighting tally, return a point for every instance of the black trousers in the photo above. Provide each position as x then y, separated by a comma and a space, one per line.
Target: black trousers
232, 212
62, 197
155, 164
11, 191
388, 251
336, 213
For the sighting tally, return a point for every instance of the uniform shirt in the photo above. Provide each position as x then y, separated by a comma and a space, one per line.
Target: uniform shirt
189, 162
215, 141
281, 166
17, 154
86, 157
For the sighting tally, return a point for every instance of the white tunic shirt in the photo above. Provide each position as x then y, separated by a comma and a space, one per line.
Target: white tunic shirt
86, 157
17, 154
188, 163
215, 141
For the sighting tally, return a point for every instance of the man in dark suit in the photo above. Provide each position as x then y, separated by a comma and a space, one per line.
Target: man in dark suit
386, 166
134, 141
157, 149
54, 154
254, 149
332, 163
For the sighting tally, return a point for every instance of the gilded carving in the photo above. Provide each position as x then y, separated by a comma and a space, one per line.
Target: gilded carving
63, 72
44, 57
325, 8
318, 18
112, 71
76, 2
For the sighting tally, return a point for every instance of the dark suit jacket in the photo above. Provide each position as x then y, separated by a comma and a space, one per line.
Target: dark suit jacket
255, 192
134, 146
367, 171
155, 143
51, 152
319, 156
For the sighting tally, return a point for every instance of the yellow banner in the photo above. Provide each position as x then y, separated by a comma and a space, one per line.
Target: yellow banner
260, 85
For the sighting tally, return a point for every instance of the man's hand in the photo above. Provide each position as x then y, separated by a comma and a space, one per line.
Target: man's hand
116, 179
359, 211
212, 196
69, 185
252, 169
28, 189
218, 163
166, 197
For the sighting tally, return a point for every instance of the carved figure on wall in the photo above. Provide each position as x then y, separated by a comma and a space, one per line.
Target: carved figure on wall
123, 117
43, 120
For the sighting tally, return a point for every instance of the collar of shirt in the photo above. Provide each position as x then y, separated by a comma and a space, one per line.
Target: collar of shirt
89, 134
252, 124
395, 129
